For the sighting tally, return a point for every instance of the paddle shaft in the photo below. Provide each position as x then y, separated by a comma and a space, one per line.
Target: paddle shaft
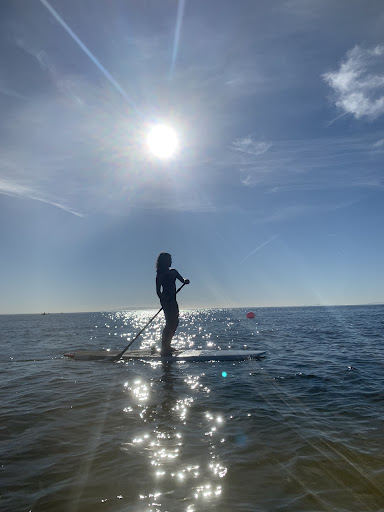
120, 355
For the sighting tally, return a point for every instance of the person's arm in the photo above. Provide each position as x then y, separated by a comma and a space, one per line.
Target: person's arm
185, 281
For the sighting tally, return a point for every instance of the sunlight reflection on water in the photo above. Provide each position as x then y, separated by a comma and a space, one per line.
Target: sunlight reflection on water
166, 439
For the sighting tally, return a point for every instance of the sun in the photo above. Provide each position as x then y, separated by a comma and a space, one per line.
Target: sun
162, 141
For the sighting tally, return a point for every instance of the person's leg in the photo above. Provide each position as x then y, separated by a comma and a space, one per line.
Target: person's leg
171, 313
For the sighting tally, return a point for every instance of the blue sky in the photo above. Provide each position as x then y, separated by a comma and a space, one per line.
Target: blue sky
276, 195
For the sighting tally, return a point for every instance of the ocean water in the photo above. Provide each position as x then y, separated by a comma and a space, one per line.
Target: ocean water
300, 430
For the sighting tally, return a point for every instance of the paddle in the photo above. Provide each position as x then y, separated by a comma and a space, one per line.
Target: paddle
120, 355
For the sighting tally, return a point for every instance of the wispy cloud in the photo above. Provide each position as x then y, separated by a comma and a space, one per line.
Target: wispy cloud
312, 164
14, 189
359, 82
379, 144
9, 92
250, 146
292, 211
10, 188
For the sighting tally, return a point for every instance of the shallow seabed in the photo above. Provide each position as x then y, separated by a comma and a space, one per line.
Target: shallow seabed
302, 429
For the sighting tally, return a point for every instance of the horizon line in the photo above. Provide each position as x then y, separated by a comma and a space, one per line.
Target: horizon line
143, 308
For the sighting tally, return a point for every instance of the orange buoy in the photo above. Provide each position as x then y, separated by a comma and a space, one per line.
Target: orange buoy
250, 314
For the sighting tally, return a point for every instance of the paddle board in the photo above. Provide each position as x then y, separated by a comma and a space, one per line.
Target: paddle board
185, 355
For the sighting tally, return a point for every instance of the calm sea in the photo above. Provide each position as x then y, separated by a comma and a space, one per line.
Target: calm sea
301, 430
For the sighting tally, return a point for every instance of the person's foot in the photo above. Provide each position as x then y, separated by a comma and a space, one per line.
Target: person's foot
167, 352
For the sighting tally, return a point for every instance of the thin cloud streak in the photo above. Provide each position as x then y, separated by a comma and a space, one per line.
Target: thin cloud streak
12, 189
259, 247
337, 118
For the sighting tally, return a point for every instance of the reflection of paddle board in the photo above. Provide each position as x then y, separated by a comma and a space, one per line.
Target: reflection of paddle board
182, 355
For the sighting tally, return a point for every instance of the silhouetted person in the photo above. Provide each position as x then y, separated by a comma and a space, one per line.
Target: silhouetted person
166, 291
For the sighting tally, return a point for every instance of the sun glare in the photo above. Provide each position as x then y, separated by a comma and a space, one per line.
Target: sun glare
162, 141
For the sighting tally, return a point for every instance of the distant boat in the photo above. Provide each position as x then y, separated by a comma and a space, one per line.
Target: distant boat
44, 313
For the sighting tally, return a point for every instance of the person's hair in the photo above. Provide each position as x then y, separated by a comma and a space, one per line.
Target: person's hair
163, 262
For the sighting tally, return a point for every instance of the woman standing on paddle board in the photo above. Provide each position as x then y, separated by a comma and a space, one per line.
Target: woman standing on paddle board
166, 291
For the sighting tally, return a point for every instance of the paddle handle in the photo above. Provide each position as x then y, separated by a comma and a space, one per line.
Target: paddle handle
120, 355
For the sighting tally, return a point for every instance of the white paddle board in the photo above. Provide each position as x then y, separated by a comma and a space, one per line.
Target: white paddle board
184, 355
